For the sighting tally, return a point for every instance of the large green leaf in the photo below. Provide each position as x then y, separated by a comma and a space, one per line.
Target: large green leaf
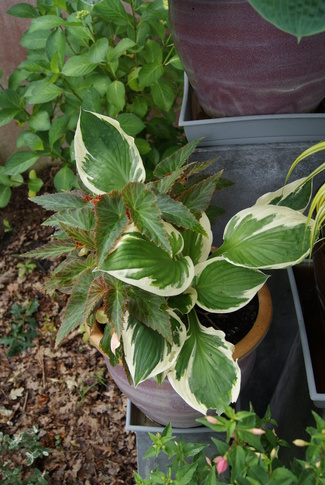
150, 73
84, 218
222, 287
147, 353
111, 222
299, 18
141, 263
23, 10
46, 22
142, 204
205, 375
107, 159
97, 51
163, 94
74, 311
266, 237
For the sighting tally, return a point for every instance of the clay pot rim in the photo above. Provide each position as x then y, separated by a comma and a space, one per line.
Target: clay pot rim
247, 345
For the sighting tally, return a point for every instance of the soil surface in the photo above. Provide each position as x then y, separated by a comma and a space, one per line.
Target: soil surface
67, 390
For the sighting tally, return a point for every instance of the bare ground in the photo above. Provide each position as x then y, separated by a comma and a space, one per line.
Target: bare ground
67, 390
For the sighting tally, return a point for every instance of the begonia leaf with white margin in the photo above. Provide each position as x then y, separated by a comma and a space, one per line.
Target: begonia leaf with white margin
141, 263
295, 195
205, 374
107, 159
266, 237
147, 353
223, 287
198, 246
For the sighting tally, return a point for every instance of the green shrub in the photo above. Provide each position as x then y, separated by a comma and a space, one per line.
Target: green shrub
116, 60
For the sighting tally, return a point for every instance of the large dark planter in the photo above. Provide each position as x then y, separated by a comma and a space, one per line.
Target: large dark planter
239, 64
161, 403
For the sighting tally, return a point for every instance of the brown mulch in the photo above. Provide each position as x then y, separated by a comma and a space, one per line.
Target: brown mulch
67, 390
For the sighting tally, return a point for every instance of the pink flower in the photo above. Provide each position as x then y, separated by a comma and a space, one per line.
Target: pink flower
257, 431
222, 464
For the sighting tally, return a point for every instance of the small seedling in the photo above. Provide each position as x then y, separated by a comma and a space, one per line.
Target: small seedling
26, 448
25, 267
7, 225
83, 390
23, 328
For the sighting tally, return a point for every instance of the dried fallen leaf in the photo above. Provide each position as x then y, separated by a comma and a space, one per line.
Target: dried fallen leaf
16, 393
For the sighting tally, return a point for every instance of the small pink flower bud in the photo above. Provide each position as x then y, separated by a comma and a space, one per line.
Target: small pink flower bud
274, 453
212, 420
115, 343
208, 460
299, 442
222, 464
257, 431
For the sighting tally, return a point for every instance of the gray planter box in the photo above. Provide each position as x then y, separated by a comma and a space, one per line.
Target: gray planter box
317, 397
244, 130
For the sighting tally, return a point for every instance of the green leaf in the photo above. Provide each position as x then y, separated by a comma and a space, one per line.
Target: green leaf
39, 121
6, 115
58, 128
46, 22
222, 287
143, 264
52, 250
177, 214
197, 198
111, 222
123, 45
131, 124
145, 214
142, 145
150, 73
23, 10
106, 158
83, 217
266, 237
97, 51
115, 303
20, 162
65, 275
41, 92
205, 375
74, 311
59, 201
151, 310
29, 139
5, 194
56, 46
65, 179
96, 292
91, 100
31, 39
116, 95
297, 18
163, 94
35, 184
9, 99
81, 236
197, 245
78, 66
112, 11
176, 160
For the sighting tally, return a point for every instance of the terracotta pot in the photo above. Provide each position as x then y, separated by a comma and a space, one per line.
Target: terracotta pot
161, 403
239, 64
319, 271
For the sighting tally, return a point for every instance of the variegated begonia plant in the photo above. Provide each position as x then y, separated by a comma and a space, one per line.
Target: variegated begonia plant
138, 260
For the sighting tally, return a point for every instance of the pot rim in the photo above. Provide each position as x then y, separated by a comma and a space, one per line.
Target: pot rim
244, 347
